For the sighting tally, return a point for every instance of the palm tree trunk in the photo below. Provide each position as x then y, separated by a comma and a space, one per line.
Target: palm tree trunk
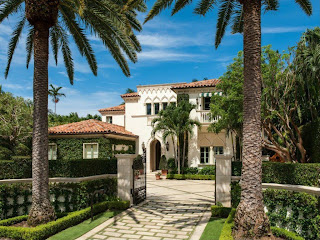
178, 147
41, 210
55, 107
251, 221
184, 150
174, 147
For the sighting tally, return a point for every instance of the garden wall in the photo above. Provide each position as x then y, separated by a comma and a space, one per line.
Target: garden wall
15, 199
72, 148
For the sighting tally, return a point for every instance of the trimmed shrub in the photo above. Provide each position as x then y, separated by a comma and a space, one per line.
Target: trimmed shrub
171, 163
190, 177
219, 211
307, 174
16, 199
279, 232
22, 168
235, 194
138, 163
209, 170
46, 230
163, 165
190, 170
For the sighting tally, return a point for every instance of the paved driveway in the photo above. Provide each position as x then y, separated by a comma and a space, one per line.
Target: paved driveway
175, 209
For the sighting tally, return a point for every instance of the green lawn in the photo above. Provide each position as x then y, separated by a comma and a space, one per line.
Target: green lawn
213, 229
84, 227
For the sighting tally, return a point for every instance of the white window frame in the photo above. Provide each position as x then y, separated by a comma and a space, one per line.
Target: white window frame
84, 149
53, 144
206, 156
108, 119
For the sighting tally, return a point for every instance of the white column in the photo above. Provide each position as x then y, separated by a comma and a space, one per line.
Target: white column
223, 180
125, 176
211, 156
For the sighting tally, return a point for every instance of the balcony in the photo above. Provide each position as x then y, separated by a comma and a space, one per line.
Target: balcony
204, 117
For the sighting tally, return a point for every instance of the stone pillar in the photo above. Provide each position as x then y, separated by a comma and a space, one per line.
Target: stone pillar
125, 176
223, 180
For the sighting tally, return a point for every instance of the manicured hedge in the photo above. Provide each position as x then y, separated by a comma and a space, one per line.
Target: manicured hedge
15, 199
299, 212
226, 232
219, 211
46, 230
59, 168
307, 174
208, 170
190, 177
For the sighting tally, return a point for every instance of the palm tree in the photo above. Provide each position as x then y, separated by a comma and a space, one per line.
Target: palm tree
244, 17
175, 122
54, 93
112, 22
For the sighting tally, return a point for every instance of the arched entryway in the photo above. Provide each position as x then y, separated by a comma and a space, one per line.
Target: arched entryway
155, 155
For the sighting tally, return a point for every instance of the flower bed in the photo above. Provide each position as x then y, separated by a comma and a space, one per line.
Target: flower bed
190, 177
46, 230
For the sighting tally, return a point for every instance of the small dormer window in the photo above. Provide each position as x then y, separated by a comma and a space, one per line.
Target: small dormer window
109, 120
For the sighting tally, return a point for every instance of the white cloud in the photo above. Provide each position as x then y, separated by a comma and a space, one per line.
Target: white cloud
273, 30
165, 55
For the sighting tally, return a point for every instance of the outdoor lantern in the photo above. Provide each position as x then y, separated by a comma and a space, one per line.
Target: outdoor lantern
167, 146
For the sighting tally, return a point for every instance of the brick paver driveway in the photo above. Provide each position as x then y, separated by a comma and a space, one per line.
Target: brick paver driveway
172, 211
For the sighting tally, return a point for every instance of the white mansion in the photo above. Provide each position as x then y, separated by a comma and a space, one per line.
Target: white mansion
141, 108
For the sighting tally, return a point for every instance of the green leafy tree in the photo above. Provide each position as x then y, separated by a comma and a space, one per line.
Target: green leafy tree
56, 119
15, 125
244, 16
175, 122
112, 22
55, 94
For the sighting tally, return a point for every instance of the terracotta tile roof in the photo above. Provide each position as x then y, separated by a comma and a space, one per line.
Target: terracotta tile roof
130, 95
89, 127
120, 108
198, 84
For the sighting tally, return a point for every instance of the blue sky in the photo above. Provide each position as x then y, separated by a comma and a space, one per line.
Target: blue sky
175, 49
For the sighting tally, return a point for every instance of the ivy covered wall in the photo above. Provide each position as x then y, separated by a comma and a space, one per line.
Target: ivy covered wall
72, 148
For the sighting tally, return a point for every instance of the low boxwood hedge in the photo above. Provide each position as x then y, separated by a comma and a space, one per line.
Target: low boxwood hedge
219, 211
190, 177
46, 230
226, 233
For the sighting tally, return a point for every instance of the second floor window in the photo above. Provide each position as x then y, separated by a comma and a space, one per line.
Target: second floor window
109, 119
218, 150
156, 108
206, 103
148, 106
164, 105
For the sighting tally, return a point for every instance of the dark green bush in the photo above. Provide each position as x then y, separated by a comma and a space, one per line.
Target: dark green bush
59, 168
171, 164
190, 177
46, 230
311, 140
163, 165
221, 212
138, 163
15, 199
286, 173
304, 212
190, 170
209, 170
279, 232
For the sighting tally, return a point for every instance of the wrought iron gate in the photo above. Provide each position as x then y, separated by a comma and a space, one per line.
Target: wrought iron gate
139, 191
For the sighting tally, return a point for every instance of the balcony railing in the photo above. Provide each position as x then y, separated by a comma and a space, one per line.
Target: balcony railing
206, 118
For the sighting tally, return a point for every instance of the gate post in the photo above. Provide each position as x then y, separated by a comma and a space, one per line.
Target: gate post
125, 176
223, 180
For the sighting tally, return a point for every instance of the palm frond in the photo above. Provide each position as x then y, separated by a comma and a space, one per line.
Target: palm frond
8, 8
305, 5
204, 6
80, 39
13, 43
224, 16
158, 7
179, 5
54, 40
237, 21
271, 5
29, 44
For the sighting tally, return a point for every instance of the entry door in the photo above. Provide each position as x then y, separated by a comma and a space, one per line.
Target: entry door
158, 154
